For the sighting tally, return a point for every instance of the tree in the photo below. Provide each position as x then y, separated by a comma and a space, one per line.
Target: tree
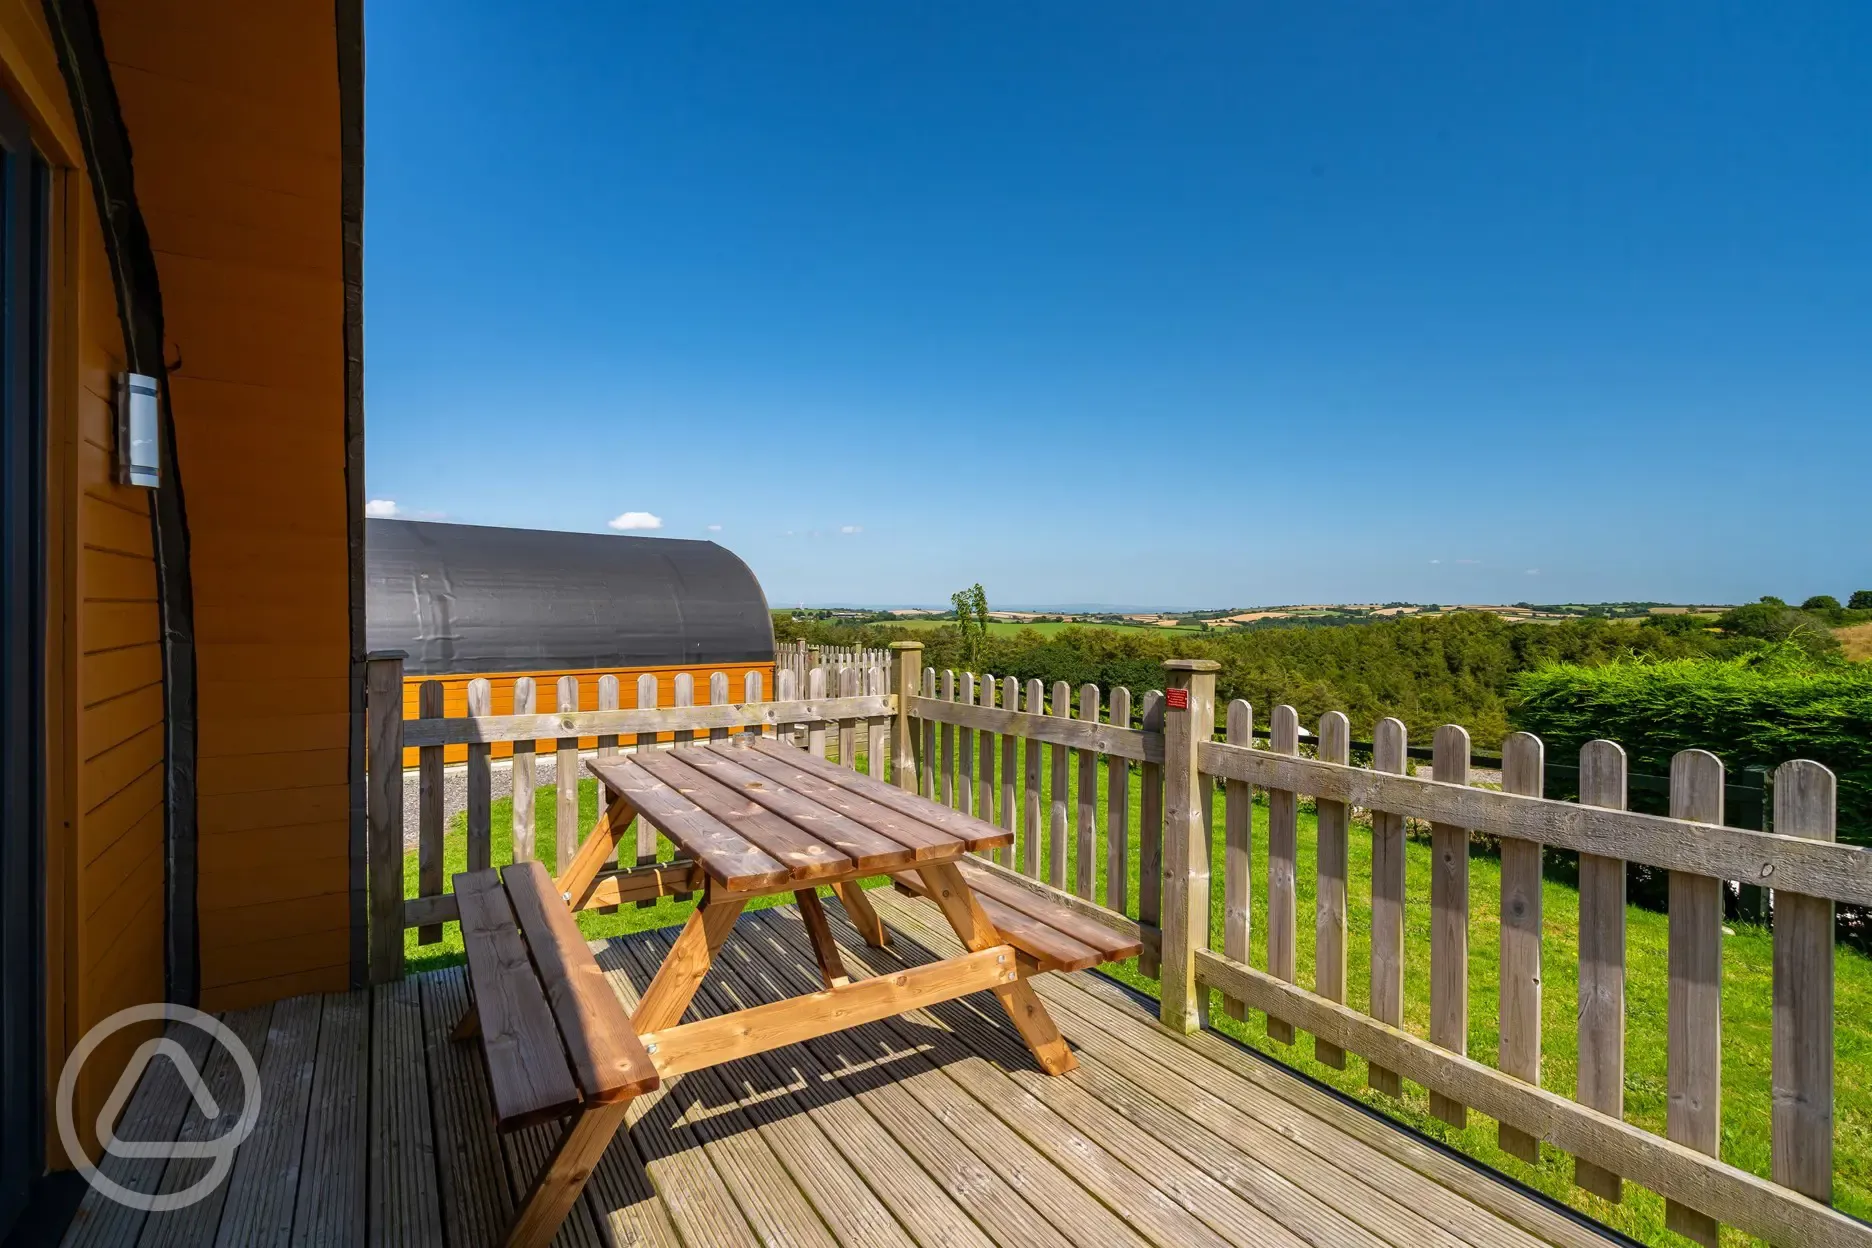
971, 609
1821, 602
1766, 621
1861, 600
1677, 624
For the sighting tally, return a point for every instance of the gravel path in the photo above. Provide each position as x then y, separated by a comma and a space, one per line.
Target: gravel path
455, 789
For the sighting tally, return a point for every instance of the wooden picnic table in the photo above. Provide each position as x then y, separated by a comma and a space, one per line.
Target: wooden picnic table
750, 818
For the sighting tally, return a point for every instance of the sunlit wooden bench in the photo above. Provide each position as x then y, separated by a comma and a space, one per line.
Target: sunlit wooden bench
557, 1042
1048, 936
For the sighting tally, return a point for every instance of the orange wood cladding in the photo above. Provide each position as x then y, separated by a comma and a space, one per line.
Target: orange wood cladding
546, 683
233, 113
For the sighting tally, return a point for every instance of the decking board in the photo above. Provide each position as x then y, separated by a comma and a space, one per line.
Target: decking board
1165, 1212
770, 1093
934, 1129
773, 1202
897, 1186
865, 1066
196, 1223
699, 1203
1243, 1209
1355, 1209
156, 1111
465, 1156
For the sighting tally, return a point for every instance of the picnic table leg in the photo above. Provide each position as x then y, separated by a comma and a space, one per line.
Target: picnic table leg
557, 1186
825, 950
951, 892
598, 847
858, 909
468, 1026
676, 981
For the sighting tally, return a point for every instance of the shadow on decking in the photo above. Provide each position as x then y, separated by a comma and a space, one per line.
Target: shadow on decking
935, 1128
767, 959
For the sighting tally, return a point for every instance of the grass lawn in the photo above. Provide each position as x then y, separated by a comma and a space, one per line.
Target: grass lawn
1747, 1002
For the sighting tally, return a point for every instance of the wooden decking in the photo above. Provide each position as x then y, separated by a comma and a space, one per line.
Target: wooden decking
928, 1130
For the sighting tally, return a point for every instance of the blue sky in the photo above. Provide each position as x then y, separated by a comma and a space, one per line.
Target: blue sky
1164, 305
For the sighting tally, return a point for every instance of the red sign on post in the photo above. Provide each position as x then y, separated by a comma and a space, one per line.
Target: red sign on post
1177, 699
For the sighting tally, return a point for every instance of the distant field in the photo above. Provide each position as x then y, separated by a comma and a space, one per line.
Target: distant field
1857, 641
1007, 628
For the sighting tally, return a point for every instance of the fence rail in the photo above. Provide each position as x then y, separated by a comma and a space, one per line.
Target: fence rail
1183, 770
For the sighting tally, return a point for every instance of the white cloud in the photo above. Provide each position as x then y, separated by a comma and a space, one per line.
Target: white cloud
714, 528
851, 528
636, 520
381, 508
1436, 561
1531, 572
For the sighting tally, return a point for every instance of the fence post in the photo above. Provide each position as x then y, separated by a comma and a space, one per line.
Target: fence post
480, 781
906, 665
565, 780
1390, 753
1524, 768
1283, 867
383, 713
1449, 923
1603, 781
525, 696
1694, 1006
1189, 719
1150, 832
429, 823
1806, 805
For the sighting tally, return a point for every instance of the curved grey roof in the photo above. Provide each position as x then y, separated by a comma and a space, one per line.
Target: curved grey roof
466, 598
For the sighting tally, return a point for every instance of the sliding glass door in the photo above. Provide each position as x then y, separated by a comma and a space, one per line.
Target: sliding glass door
23, 198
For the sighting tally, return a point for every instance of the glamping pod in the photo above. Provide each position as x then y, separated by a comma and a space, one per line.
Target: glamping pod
465, 601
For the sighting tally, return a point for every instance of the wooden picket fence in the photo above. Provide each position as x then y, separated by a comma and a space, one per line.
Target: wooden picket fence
837, 712
965, 750
800, 659
958, 739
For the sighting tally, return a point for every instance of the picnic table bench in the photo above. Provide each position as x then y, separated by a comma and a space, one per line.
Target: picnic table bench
750, 818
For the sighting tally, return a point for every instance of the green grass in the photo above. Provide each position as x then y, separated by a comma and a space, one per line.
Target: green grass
1747, 1001
595, 926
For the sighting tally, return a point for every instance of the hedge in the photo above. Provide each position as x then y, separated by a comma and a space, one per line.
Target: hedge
1756, 711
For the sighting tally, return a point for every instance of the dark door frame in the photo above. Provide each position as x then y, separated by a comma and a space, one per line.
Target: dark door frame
24, 195
106, 142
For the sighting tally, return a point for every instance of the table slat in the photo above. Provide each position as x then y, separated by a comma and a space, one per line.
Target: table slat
723, 853
975, 834
804, 855
919, 840
868, 850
